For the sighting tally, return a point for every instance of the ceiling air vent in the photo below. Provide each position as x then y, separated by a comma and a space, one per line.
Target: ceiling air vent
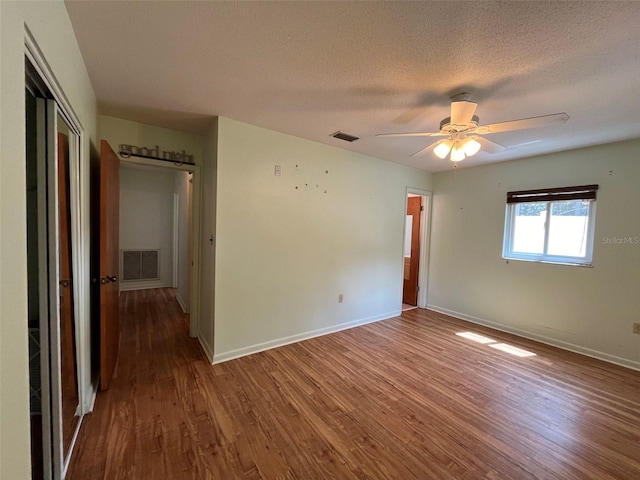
344, 136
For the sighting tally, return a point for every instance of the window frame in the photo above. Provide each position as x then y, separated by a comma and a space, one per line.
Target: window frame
550, 196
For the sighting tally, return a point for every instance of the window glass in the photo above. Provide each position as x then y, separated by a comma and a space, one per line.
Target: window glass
568, 228
528, 231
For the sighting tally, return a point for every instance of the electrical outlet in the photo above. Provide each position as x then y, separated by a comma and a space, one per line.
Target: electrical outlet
636, 328
277, 170
340, 297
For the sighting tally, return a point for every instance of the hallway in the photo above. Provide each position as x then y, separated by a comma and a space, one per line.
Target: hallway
141, 425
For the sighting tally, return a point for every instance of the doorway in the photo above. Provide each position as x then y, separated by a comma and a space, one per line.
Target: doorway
169, 237
415, 249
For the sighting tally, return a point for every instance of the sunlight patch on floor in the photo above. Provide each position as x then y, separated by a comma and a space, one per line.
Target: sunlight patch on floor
519, 352
504, 347
475, 337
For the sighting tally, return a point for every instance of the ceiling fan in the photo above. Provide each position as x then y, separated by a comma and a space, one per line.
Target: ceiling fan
463, 130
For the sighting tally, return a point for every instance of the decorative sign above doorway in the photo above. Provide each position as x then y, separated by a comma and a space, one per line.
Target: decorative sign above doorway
155, 153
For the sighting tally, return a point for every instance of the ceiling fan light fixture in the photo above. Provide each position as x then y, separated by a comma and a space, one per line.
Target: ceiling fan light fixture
457, 152
470, 146
443, 148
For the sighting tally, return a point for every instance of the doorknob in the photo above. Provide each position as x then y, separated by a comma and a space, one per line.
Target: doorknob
112, 278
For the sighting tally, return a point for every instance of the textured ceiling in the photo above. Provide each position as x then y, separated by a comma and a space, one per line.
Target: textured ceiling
312, 68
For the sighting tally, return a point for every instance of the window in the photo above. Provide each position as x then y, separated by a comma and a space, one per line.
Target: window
551, 225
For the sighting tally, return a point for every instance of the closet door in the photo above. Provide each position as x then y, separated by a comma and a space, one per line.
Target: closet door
69, 398
57, 148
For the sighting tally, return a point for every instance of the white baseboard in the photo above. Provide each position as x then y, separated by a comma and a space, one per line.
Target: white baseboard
280, 342
125, 286
624, 362
208, 351
183, 305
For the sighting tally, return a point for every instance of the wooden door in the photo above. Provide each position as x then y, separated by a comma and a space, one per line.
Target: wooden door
412, 264
68, 369
109, 264
66, 284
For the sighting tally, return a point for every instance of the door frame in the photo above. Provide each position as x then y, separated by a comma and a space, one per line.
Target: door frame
194, 234
425, 238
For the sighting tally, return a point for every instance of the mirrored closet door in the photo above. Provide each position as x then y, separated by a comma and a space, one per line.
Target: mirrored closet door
52, 165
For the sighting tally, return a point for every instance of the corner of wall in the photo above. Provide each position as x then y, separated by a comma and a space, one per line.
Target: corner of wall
206, 348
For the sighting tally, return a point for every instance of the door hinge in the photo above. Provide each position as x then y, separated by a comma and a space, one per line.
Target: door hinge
418, 288
421, 208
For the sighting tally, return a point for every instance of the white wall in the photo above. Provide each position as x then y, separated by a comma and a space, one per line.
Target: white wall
284, 254
50, 26
146, 219
586, 309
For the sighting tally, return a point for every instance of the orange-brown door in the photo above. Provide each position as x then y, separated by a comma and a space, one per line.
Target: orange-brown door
410, 287
67, 337
109, 254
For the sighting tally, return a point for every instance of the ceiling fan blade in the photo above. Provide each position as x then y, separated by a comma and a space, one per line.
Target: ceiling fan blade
426, 149
488, 145
462, 112
414, 134
524, 123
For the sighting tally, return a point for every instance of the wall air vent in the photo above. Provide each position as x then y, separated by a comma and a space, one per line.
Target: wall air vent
344, 136
140, 265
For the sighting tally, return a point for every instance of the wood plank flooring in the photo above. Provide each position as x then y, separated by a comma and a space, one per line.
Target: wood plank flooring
403, 398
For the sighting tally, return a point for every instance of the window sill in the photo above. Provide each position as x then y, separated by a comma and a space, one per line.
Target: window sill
551, 262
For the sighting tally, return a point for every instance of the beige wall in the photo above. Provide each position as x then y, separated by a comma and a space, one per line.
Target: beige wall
49, 24
284, 254
590, 310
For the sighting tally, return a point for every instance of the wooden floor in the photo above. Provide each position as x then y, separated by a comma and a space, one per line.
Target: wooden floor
403, 398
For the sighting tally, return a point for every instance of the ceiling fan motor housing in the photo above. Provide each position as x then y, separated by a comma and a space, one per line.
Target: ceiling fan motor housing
447, 127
